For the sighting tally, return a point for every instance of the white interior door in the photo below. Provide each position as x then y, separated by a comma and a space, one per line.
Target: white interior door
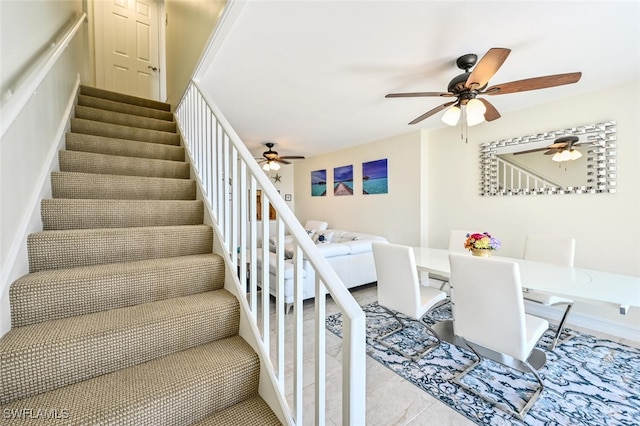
127, 47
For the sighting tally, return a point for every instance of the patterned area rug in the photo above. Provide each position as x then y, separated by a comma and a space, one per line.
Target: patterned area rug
588, 381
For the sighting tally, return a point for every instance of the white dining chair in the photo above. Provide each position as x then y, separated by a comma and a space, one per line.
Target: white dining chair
457, 238
488, 311
399, 290
557, 251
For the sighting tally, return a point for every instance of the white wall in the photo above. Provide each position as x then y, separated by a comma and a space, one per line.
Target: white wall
28, 151
434, 186
606, 226
395, 215
189, 26
598, 221
285, 184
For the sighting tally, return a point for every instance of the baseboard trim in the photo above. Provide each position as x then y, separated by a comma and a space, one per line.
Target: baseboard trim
590, 322
17, 264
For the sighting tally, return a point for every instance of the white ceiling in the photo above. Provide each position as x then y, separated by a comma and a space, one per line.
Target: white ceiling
311, 76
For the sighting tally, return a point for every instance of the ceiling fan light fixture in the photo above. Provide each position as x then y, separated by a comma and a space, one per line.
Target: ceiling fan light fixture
575, 154
266, 167
274, 166
451, 116
563, 155
474, 81
475, 112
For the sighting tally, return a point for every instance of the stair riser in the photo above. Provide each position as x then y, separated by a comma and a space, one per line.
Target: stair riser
63, 214
47, 296
119, 97
84, 162
124, 318
123, 119
108, 105
67, 249
33, 370
178, 389
94, 186
253, 411
89, 127
123, 147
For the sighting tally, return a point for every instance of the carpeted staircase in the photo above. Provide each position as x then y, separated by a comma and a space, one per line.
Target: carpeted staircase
123, 318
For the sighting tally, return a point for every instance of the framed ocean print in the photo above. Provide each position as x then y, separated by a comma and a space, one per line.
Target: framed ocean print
343, 180
375, 179
319, 183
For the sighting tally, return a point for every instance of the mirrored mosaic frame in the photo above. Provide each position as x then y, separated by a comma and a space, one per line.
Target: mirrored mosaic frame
601, 161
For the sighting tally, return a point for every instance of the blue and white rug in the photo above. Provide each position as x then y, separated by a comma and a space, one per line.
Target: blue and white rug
588, 381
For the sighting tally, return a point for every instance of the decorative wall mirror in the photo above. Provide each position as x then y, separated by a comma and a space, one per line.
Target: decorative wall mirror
582, 160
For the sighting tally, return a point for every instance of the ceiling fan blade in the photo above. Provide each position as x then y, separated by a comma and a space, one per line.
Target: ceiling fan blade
280, 160
433, 111
491, 113
418, 94
534, 83
529, 151
487, 67
551, 151
292, 157
557, 145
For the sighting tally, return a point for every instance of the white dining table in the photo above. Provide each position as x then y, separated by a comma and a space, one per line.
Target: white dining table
573, 282
577, 283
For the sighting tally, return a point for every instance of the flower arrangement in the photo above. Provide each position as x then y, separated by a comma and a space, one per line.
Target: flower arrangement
484, 241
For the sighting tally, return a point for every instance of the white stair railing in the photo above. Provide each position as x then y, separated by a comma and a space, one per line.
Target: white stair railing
230, 177
514, 177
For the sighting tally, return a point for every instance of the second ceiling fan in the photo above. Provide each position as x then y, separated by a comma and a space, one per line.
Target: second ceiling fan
270, 158
466, 87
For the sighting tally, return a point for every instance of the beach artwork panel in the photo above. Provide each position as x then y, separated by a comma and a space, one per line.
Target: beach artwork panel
319, 183
375, 178
343, 180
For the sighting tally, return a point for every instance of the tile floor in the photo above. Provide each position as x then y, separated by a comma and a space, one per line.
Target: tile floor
390, 400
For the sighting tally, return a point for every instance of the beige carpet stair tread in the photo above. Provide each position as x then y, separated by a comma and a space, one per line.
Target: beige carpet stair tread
88, 162
69, 213
97, 186
120, 97
53, 354
71, 248
179, 389
113, 146
124, 318
107, 105
90, 127
251, 412
114, 117
62, 293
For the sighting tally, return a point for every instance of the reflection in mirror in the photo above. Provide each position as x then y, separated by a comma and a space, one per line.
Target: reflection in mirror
575, 160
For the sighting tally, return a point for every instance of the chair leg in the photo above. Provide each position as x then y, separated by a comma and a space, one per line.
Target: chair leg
535, 396
519, 414
561, 326
437, 305
417, 356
